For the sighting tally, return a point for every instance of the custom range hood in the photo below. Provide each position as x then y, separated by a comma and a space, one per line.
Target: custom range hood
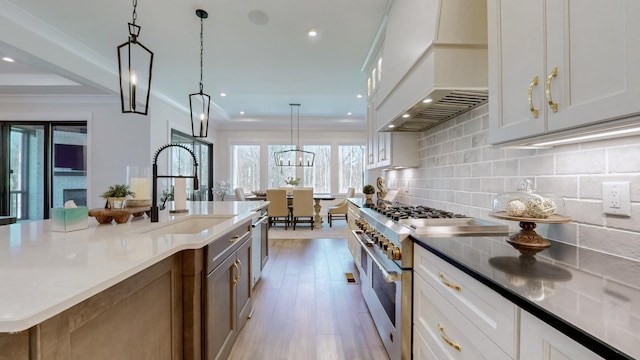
435, 63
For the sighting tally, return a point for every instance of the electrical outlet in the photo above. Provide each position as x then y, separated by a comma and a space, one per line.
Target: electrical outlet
616, 198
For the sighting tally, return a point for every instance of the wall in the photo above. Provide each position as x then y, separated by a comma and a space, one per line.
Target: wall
459, 172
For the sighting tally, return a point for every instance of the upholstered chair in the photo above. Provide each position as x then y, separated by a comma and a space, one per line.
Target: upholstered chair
339, 211
278, 210
239, 194
302, 207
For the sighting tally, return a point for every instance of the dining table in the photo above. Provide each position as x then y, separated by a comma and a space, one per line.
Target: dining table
317, 219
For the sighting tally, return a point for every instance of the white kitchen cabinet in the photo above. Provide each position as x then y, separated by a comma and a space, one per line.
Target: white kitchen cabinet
446, 332
539, 341
477, 306
372, 136
558, 65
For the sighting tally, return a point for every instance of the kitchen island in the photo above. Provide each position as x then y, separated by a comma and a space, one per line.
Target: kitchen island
111, 291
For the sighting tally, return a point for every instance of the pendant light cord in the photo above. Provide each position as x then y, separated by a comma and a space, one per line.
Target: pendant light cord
201, 51
291, 123
135, 14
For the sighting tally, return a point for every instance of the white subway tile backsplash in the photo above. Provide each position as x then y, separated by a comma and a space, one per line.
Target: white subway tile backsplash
459, 172
581, 162
624, 159
537, 165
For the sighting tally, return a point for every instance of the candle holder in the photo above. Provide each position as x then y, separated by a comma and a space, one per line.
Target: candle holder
139, 181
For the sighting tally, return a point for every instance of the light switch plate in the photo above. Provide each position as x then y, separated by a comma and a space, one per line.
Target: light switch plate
616, 198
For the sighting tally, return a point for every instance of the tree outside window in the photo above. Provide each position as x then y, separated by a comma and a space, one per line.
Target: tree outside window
350, 167
245, 167
319, 175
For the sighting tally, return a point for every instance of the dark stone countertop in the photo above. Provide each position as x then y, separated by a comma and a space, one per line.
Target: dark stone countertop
592, 297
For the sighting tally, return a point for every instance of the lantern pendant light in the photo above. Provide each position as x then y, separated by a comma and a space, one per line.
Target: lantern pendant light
295, 156
134, 70
200, 103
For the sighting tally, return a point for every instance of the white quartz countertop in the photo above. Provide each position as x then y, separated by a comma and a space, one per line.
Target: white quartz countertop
43, 273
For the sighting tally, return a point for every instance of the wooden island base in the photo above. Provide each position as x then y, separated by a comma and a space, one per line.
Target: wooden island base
154, 314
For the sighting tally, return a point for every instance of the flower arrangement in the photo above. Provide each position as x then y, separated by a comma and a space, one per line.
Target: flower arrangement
222, 188
292, 181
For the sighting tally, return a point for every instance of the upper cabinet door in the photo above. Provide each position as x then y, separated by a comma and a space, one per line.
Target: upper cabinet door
595, 45
516, 69
561, 64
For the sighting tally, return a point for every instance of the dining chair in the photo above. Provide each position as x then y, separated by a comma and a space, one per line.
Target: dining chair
278, 211
239, 194
302, 207
339, 211
288, 189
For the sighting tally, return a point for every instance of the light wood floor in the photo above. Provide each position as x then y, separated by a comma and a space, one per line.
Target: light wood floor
305, 309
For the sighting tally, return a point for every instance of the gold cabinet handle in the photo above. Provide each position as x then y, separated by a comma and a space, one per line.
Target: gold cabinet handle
235, 278
552, 105
234, 239
453, 286
533, 110
446, 339
240, 270
382, 151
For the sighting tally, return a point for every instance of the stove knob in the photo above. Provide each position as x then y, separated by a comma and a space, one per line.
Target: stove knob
390, 252
397, 253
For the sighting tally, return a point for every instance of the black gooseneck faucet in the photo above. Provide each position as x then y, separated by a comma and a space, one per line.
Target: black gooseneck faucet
154, 193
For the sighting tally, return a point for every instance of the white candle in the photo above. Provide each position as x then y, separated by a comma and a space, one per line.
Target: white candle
140, 186
179, 194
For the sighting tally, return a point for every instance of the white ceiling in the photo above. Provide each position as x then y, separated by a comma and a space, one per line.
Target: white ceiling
261, 66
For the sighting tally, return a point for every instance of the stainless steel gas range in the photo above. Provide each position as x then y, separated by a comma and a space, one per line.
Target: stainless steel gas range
385, 262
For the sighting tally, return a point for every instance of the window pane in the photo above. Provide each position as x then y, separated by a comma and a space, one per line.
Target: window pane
245, 167
350, 167
278, 174
319, 175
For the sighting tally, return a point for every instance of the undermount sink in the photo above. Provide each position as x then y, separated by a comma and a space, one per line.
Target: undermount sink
454, 226
189, 225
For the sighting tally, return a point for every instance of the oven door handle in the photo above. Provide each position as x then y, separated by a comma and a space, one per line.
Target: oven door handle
260, 221
388, 274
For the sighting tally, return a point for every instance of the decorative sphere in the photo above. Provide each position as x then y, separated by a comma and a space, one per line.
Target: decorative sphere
516, 207
540, 208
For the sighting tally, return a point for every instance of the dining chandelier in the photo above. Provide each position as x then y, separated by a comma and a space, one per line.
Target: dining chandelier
134, 70
294, 156
200, 103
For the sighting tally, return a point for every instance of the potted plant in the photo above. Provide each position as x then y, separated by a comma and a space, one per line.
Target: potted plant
116, 196
292, 181
368, 191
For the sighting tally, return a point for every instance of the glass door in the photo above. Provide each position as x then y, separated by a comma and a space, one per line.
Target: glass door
42, 165
25, 164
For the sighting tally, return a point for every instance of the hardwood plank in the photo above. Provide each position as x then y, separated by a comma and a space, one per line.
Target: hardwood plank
305, 309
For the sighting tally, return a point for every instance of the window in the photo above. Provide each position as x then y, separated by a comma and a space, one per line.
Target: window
319, 175
350, 167
245, 167
278, 174
182, 164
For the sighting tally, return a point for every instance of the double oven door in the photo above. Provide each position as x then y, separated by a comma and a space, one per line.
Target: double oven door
382, 290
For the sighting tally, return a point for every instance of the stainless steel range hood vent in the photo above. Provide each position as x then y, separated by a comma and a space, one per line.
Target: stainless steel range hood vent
452, 103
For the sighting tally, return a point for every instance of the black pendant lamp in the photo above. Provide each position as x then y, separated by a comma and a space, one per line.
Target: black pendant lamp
200, 103
134, 70
294, 156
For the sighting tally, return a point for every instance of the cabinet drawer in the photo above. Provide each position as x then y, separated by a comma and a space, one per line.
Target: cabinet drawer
219, 249
494, 315
447, 332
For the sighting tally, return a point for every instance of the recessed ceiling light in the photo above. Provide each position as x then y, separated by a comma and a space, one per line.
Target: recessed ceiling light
241, 112
349, 113
223, 94
391, 126
313, 32
427, 100
359, 96
7, 59
406, 116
